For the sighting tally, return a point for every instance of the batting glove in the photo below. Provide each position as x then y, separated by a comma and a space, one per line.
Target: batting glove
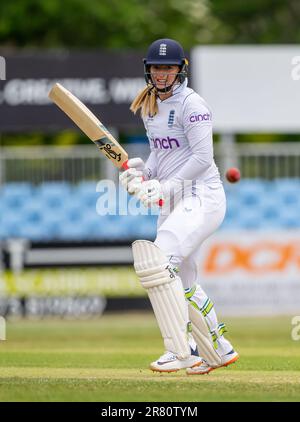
133, 177
150, 193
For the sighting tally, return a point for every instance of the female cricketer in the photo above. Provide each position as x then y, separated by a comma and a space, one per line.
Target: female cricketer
181, 175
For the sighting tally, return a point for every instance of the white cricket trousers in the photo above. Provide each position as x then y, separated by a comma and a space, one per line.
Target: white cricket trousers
181, 233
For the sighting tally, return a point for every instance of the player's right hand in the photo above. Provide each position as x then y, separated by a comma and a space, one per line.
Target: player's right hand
131, 180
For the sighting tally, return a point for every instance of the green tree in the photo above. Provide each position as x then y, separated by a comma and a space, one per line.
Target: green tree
98, 23
257, 21
116, 24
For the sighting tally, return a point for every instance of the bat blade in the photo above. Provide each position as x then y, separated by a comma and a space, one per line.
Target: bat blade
89, 124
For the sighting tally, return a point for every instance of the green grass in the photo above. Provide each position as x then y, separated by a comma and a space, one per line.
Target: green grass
107, 359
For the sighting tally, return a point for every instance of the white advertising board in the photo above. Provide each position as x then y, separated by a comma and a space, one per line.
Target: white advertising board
249, 88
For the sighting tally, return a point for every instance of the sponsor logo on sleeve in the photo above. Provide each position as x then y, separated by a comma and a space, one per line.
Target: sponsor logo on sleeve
194, 118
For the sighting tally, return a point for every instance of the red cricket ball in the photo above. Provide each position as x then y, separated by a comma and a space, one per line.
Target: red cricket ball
233, 175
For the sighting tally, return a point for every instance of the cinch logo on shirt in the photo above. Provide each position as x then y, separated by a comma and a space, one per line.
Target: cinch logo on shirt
165, 143
200, 117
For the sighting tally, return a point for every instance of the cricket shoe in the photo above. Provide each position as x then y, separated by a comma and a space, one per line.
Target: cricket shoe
169, 362
205, 368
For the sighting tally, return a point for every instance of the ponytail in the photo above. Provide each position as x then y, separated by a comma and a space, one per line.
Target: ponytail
146, 101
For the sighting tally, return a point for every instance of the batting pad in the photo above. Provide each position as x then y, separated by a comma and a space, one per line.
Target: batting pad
203, 338
166, 295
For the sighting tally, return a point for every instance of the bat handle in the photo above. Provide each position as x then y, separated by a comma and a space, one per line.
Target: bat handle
160, 203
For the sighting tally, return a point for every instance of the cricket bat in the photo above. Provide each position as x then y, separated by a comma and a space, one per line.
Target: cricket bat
90, 125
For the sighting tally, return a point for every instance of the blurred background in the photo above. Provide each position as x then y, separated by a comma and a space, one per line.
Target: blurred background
57, 255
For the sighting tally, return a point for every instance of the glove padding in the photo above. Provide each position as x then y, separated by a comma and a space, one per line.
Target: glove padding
131, 180
133, 177
136, 163
150, 193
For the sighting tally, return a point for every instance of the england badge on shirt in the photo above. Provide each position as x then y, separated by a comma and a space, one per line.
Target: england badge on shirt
171, 118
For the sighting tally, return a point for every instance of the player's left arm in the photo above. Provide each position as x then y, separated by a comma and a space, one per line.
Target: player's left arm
197, 126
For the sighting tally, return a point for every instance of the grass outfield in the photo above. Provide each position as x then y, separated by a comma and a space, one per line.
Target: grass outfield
106, 360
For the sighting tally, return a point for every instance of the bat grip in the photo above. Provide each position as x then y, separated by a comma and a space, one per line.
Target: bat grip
125, 165
160, 203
